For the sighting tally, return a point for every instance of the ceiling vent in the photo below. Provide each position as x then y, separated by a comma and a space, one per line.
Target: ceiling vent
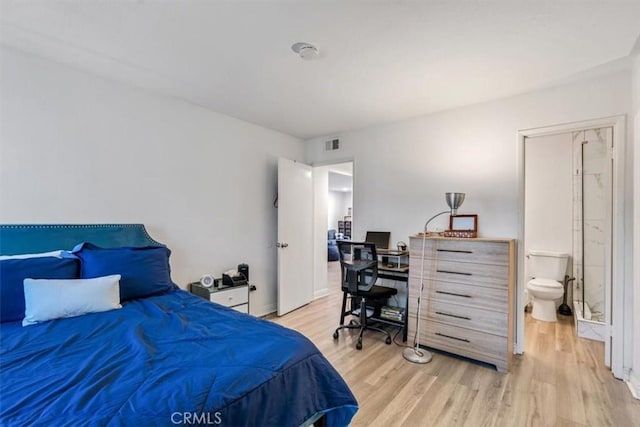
332, 144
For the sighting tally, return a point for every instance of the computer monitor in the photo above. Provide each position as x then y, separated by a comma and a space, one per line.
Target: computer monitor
380, 238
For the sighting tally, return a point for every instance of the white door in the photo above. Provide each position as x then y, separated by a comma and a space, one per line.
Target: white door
295, 235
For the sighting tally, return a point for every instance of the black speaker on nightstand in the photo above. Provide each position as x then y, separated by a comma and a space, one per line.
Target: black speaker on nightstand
244, 270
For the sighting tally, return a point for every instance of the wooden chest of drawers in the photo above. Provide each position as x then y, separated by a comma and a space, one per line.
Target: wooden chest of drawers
468, 290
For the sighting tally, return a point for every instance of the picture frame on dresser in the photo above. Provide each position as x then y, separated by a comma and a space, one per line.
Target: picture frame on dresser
465, 225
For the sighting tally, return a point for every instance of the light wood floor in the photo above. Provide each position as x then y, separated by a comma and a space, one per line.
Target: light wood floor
559, 381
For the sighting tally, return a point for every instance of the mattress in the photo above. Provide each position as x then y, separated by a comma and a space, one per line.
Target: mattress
166, 360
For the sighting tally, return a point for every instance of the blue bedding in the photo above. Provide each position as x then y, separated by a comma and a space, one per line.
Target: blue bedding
166, 360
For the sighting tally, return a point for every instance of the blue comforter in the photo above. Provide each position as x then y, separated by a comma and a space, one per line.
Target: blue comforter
166, 360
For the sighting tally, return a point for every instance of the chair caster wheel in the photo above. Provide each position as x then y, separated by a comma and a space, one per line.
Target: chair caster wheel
335, 335
388, 341
359, 345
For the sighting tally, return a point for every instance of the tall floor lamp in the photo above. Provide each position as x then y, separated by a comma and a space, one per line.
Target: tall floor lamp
415, 354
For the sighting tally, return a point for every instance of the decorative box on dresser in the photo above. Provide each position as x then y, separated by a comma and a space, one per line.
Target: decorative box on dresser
467, 306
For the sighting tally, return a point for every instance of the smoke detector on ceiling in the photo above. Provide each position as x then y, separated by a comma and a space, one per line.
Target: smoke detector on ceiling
306, 50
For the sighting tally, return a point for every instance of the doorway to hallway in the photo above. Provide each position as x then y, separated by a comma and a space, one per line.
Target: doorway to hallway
334, 220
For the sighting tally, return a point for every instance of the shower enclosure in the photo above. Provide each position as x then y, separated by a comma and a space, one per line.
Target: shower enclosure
591, 228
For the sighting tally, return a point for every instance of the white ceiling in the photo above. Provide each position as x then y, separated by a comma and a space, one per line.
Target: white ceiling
380, 61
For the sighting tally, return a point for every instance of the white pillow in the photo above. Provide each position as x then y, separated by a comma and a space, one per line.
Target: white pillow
47, 299
55, 254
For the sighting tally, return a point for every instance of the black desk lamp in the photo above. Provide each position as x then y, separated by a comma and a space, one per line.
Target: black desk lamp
416, 354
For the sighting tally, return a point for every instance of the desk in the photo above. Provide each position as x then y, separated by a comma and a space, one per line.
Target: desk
393, 259
394, 267
399, 275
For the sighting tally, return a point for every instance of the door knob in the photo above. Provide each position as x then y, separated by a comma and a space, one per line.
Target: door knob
281, 245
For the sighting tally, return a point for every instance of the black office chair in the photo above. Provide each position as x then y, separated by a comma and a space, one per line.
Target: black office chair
359, 266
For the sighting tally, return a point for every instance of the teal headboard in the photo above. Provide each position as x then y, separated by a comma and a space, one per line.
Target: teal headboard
33, 238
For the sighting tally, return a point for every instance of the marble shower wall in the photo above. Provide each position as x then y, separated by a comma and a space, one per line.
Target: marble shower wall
589, 213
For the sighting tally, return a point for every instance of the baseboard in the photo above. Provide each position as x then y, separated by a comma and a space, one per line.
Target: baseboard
634, 384
321, 293
267, 309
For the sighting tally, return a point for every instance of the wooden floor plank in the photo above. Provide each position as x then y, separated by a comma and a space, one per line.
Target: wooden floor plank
560, 380
399, 408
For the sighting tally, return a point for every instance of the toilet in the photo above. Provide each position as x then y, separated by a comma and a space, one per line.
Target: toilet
545, 288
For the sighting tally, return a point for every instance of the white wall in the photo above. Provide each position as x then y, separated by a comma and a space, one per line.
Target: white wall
339, 202
548, 195
635, 311
75, 148
403, 169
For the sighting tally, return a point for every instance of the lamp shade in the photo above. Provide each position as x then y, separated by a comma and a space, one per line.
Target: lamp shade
454, 200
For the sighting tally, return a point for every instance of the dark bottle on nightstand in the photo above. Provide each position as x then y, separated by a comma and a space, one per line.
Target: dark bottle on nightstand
244, 270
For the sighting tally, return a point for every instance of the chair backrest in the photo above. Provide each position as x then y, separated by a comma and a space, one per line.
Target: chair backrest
351, 253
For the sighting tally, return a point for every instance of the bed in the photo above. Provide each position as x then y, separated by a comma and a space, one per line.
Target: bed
166, 358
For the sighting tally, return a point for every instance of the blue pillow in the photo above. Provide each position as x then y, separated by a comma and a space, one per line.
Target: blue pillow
14, 271
145, 271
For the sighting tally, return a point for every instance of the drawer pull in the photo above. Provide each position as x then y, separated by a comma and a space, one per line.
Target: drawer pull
453, 315
453, 338
454, 251
454, 294
453, 272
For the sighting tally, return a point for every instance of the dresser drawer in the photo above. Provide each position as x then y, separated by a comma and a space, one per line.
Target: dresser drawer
473, 251
462, 272
493, 322
415, 245
455, 293
231, 297
462, 250
467, 342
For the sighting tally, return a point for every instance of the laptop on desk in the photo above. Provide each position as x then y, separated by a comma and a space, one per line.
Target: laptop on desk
380, 239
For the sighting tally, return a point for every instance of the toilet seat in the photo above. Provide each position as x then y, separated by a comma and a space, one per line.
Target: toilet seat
546, 283
544, 292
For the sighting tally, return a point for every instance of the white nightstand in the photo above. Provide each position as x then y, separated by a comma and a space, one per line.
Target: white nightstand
236, 297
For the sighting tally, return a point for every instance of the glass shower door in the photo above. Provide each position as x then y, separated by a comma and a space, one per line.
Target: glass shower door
592, 190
